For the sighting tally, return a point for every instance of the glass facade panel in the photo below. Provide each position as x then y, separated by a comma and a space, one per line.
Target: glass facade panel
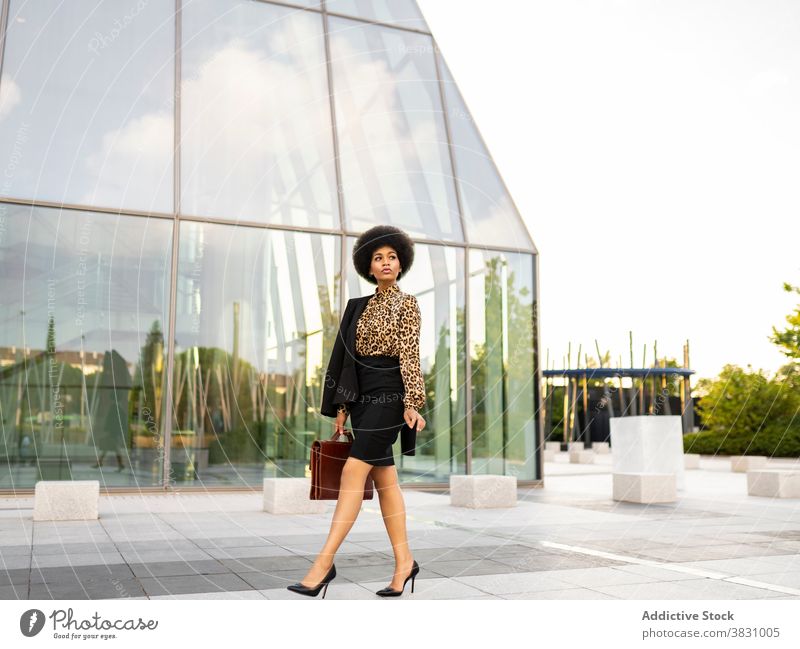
257, 314
502, 354
403, 13
257, 141
86, 113
393, 148
441, 446
489, 213
82, 324
86, 103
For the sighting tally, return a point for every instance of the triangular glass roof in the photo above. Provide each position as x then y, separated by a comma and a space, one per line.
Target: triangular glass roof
402, 13
490, 215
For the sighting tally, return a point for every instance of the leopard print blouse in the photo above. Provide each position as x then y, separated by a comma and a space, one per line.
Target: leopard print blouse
390, 325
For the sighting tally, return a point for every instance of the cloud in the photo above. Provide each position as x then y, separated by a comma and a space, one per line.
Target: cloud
10, 95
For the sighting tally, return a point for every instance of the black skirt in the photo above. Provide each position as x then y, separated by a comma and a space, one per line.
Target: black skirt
377, 415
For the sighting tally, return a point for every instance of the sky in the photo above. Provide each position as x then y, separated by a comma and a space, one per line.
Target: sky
653, 149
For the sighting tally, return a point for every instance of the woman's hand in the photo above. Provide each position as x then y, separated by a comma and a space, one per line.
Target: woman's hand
338, 427
412, 416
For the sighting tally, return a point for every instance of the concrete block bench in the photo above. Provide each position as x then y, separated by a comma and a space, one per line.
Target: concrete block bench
579, 456
601, 448
552, 446
483, 491
549, 456
745, 463
66, 500
645, 487
774, 483
691, 460
290, 496
576, 446
648, 444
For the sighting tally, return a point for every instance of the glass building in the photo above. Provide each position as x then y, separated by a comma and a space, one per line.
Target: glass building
183, 182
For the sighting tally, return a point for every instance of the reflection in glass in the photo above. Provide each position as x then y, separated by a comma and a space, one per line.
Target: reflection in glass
490, 216
81, 346
441, 446
502, 355
257, 141
403, 13
257, 314
86, 107
392, 143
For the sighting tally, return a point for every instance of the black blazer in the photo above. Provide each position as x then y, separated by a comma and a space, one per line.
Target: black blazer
341, 382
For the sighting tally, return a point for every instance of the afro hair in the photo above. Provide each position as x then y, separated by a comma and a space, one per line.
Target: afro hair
374, 238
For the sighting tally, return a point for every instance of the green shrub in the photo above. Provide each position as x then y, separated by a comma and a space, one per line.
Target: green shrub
748, 413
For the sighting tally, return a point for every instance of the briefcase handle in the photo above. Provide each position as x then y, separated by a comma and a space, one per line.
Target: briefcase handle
347, 432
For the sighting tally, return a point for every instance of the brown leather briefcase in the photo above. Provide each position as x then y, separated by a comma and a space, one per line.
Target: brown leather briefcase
327, 460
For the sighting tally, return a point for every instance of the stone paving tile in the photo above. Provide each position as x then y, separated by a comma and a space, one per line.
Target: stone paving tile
446, 554
509, 549
154, 555
233, 542
746, 567
14, 591
705, 553
266, 564
182, 584
249, 552
175, 568
15, 551
566, 593
312, 549
84, 559
14, 576
688, 589
514, 582
169, 545
790, 579
289, 540
16, 563
363, 559
230, 594
77, 589
467, 567
97, 572
662, 574
537, 562
591, 577
44, 549
780, 546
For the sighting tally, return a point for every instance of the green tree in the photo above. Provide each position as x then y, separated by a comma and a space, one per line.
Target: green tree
789, 338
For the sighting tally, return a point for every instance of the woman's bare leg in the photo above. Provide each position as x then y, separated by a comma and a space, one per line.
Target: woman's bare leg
393, 509
351, 495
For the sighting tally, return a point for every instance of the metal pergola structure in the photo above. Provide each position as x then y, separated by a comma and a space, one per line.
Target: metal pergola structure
646, 394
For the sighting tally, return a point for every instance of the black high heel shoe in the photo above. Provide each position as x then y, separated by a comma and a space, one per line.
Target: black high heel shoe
391, 592
313, 592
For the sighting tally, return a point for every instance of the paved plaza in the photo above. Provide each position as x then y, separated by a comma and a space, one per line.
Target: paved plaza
569, 540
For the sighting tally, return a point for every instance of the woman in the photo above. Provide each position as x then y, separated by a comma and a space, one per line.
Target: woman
110, 423
375, 379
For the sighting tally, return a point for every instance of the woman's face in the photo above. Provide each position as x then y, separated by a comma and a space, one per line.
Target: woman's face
385, 264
